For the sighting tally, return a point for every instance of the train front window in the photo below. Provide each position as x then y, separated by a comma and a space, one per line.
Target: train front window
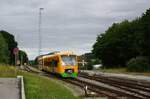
68, 60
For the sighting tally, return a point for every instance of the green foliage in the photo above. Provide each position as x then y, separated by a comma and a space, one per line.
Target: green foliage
123, 41
116, 45
138, 64
9, 38
10, 43
3, 50
145, 28
23, 57
33, 63
89, 65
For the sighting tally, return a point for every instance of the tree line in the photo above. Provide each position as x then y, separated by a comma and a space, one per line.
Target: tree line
7, 44
124, 41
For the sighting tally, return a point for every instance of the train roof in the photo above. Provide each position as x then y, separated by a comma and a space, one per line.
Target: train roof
56, 53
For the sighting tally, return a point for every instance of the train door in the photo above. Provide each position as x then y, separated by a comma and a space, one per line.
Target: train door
54, 65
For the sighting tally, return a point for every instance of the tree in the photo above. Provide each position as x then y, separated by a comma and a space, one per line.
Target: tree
145, 28
4, 53
123, 41
11, 43
23, 57
115, 47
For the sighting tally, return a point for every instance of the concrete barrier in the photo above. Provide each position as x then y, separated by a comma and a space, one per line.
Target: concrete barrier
22, 87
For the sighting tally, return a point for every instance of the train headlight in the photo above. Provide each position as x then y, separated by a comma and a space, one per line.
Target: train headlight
63, 63
69, 71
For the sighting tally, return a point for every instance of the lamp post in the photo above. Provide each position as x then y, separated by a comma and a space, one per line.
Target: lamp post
40, 23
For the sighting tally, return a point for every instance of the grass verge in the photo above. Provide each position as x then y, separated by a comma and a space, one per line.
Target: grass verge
37, 87
124, 71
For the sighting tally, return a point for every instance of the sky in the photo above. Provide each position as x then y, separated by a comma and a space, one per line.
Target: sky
66, 24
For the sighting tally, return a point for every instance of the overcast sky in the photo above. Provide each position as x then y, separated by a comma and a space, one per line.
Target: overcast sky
66, 24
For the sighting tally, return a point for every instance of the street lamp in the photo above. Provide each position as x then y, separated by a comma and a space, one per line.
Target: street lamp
40, 23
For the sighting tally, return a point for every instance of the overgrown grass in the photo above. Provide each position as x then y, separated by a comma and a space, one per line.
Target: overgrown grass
37, 87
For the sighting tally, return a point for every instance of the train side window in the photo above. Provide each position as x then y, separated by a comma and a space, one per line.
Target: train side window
50, 64
54, 63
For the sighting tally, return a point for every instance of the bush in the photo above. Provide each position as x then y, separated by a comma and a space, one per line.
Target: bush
138, 64
89, 66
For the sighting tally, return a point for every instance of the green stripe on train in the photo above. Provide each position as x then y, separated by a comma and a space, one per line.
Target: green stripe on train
69, 75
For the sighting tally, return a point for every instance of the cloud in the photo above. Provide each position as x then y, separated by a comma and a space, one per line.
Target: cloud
66, 24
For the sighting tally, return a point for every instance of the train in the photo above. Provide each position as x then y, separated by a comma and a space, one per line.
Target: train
64, 64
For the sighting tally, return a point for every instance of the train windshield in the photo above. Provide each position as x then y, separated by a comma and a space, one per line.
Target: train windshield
68, 60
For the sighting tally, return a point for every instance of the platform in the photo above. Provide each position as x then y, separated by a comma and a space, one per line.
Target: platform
9, 88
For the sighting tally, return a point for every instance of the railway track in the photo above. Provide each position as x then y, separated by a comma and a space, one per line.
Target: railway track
118, 88
90, 89
111, 93
80, 83
102, 91
139, 89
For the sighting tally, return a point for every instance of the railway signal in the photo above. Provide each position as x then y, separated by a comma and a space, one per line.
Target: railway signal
15, 52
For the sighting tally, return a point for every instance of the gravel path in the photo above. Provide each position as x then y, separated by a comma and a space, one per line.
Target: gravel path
9, 88
126, 76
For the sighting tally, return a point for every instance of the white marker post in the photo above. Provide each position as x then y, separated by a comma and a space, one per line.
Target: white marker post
83, 63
